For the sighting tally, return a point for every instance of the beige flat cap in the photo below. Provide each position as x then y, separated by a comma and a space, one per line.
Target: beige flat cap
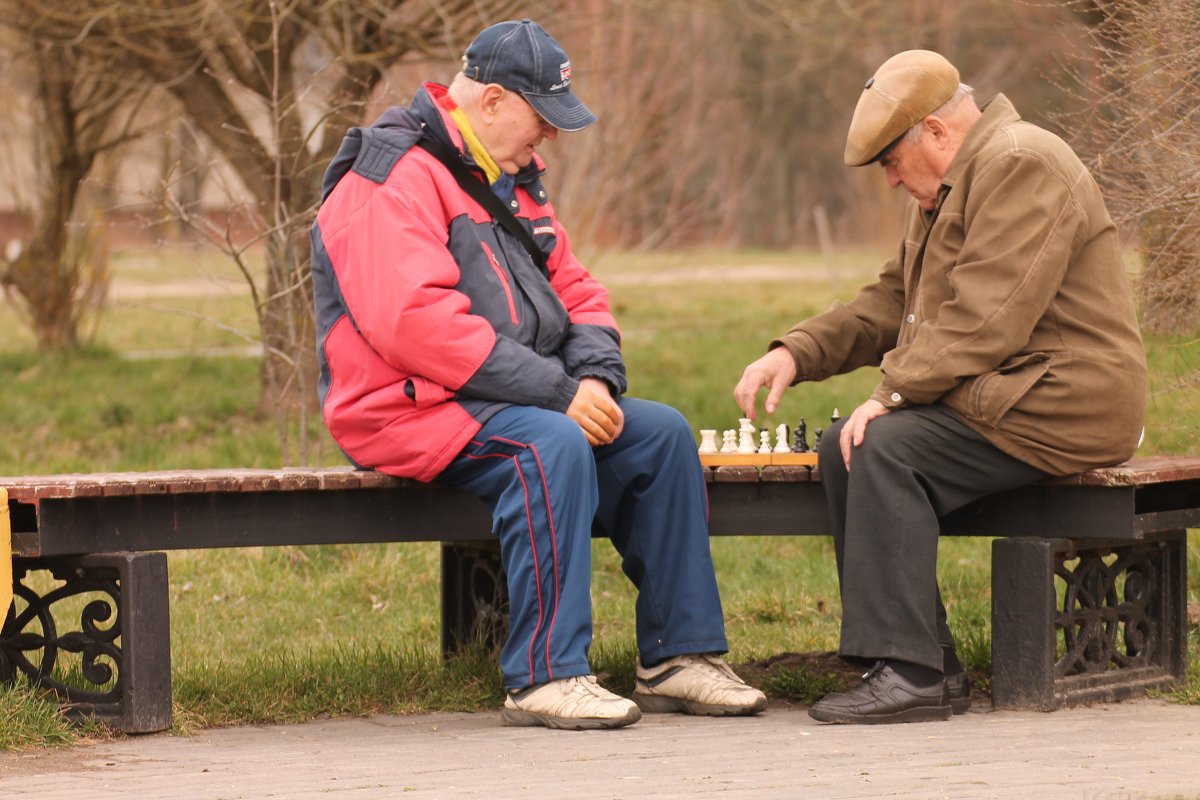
903, 91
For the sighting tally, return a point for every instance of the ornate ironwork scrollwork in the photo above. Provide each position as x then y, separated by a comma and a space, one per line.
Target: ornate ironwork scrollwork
1107, 623
30, 641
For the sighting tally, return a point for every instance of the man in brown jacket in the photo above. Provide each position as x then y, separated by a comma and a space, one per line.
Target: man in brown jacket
1006, 336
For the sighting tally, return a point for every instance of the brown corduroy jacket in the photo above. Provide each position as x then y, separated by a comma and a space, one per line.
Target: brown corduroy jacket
1008, 303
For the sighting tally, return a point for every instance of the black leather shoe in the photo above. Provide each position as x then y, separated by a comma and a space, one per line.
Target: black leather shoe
959, 688
884, 697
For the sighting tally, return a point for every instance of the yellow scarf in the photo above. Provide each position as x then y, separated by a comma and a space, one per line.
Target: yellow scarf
478, 151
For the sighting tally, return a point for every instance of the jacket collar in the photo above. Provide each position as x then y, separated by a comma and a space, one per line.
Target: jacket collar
997, 113
438, 122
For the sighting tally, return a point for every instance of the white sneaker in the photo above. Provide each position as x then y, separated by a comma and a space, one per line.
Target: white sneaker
696, 684
578, 704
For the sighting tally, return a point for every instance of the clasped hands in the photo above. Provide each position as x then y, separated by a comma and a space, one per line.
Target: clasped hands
596, 412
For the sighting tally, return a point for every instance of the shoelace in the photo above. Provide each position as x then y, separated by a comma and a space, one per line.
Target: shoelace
718, 665
587, 684
874, 672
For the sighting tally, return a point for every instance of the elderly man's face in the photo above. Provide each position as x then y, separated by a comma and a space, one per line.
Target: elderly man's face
518, 129
919, 168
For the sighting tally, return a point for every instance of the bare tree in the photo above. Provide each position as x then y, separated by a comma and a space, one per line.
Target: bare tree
79, 115
271, 85
723, 122
1141, 127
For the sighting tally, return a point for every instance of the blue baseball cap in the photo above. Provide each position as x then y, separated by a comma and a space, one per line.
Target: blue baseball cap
522, 57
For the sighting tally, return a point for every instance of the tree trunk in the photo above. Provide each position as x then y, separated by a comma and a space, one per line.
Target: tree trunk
41, 275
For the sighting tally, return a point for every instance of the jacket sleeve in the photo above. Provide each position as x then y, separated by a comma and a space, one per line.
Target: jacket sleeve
398, 280
593, 345
1022, 223
850, 335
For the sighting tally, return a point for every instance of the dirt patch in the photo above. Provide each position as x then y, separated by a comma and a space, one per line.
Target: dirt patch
827, 663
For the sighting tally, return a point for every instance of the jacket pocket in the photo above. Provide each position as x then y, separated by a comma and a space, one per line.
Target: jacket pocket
499, 270
425, 393
994, 393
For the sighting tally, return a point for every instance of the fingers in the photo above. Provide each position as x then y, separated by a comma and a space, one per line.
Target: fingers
598, 428
854, 431
596, 414
745, 392
778, 386
620, 422
775, 371
844, 441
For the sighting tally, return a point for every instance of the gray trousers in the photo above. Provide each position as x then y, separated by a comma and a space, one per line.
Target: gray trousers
914, 465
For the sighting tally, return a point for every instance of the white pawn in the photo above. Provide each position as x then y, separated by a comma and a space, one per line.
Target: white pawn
781, 439
729, 441
764, 442
708, 441
746, 443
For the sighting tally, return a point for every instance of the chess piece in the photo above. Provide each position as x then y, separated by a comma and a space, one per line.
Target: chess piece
729, 441
800, 437
835, 416
746, 443
708, 441
817, 438
764, 442
781, 438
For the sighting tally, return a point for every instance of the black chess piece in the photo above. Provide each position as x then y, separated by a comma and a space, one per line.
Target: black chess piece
800, 437
817, 438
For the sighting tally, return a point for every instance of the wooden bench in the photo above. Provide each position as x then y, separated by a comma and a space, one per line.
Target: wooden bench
1088, 582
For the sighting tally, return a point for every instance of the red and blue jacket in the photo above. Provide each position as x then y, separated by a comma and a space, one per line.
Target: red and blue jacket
431, 317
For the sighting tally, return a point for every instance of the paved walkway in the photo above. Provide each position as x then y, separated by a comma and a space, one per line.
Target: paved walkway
1127, 751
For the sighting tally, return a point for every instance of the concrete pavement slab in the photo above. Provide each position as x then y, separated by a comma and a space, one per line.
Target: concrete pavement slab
1128, 751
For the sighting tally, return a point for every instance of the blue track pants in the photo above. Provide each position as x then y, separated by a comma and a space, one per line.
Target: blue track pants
546, 486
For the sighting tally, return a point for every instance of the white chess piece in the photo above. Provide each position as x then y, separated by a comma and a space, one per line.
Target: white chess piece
781, 439
708, 441
764, 442
729, 441
746, 443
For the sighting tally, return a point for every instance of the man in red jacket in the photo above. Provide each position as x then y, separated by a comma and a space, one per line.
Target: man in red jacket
455, 348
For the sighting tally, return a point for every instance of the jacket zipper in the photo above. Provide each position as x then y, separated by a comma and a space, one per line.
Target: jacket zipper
499, 270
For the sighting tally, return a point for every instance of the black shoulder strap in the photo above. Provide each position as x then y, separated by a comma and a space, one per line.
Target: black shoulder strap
485, 197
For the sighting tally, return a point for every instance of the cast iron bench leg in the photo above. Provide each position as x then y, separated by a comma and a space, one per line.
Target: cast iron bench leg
123, 637
474, 596
1082, 622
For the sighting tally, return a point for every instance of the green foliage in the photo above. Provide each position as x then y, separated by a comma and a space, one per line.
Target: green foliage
281, 684
30, 718
800, 684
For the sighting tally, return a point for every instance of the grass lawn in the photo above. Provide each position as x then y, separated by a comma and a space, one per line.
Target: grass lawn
295, 632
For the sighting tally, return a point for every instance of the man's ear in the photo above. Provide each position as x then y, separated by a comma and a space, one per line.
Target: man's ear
489, 101
940, 131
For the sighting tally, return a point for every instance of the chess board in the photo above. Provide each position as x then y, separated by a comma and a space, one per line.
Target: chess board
758, 459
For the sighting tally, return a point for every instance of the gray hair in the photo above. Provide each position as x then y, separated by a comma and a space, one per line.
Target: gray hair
913, 135
464, 90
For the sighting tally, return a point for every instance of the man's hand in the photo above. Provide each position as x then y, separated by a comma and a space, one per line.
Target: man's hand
855, 429
596, 413
776, 371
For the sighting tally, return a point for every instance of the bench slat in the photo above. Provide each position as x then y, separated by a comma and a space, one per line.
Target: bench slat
1136, 472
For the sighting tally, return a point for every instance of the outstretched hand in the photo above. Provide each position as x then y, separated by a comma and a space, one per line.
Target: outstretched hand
596, 413
775, 371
